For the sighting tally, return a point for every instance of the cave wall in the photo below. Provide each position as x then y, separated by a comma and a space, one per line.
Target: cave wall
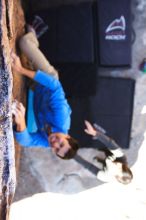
11, 86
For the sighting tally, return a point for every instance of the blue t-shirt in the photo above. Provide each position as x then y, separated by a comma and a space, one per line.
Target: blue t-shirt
51, 110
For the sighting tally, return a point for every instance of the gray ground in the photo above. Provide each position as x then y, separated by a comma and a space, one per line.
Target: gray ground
42, 172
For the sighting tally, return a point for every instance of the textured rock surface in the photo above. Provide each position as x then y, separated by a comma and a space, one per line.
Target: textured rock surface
7, 160
7, 157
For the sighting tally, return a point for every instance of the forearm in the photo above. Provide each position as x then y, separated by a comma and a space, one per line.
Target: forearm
21, 127
27, 72
111, 145
108, 142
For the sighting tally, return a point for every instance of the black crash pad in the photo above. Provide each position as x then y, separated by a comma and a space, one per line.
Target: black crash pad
70, 37
111, 108
114, 28
78, 80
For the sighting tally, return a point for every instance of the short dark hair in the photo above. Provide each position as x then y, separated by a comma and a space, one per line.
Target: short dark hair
71, 152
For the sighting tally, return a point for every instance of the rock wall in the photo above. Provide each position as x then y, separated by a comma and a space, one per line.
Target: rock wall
11, 27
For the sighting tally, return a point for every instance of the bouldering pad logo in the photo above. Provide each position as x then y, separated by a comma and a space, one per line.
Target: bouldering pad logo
116, 29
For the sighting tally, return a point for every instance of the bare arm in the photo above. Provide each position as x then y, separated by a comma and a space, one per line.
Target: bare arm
28, 73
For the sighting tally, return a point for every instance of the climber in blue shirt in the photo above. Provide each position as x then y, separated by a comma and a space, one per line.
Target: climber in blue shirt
52, 114
51, 109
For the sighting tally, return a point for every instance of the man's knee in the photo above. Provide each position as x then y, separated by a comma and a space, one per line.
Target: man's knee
27, 40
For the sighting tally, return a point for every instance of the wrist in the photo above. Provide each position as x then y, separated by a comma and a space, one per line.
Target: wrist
27, 72
94, 134
20, 127
21, 70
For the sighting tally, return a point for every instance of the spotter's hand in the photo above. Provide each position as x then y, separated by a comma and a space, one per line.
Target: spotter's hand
90, 129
